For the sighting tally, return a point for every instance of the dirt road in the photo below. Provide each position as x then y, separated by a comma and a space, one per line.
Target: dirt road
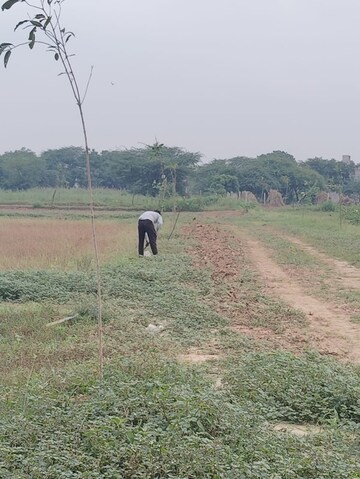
328, 328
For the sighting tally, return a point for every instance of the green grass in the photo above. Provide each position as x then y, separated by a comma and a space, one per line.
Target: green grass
39, 198
355, 318
46, 197
286, 252
225, 203
163, 290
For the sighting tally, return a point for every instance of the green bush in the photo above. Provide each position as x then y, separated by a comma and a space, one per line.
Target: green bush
327, 206
207, 202
227, 203
352, 214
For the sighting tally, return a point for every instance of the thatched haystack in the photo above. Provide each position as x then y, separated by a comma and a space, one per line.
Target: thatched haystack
248, 196
275, 199
322, 197
346, 200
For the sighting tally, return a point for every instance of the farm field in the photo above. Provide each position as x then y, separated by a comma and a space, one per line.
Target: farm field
233, 354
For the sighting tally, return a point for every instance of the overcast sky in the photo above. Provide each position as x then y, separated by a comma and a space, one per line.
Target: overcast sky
222, 77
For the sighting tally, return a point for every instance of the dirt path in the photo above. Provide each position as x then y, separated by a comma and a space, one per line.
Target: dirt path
328, 324
348, 275
328, 329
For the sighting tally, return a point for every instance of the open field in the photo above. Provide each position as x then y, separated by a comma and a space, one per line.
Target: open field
47, 243
70, 197
45, 201
249, 370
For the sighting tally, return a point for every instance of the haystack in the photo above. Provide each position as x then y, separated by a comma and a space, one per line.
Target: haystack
275, 199
322, 197
248, 196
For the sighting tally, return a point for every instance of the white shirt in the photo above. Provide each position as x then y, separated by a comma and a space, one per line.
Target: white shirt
154, 217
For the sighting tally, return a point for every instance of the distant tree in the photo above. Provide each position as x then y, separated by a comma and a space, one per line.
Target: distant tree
252, 176
283, 170
278, 157
67, 166
336, 173
21, 170
176, 164
272, 171
352, 189
222, 184
306, 183
203, 175
140, 171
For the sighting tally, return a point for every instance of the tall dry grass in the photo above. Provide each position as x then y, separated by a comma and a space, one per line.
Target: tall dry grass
37, 243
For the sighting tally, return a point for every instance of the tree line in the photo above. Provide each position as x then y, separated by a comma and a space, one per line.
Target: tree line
158, 169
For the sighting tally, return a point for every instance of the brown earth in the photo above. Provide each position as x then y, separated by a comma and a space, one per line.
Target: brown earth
328, 327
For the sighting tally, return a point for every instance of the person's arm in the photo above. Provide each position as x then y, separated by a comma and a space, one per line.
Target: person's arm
159, 224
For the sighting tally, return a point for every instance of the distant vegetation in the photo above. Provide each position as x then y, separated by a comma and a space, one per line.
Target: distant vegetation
171, 172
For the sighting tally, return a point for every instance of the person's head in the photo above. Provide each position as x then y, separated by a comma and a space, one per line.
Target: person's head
158, 211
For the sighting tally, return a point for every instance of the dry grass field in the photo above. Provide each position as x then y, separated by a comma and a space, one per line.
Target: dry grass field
43, 243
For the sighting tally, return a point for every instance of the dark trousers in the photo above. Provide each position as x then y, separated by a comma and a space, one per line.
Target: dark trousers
147, 226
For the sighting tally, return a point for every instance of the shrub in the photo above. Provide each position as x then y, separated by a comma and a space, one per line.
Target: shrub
327, 206
352, 214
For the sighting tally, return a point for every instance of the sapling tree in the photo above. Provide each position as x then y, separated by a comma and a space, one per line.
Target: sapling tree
162, 185
44, 27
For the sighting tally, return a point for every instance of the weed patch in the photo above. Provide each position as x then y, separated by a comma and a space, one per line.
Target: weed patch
59, 286
308, 388
136, 292
161, 285
162, 421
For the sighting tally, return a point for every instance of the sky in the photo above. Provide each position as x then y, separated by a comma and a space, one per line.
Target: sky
224, 78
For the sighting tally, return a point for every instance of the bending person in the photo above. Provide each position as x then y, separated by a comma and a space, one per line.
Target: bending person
149, 223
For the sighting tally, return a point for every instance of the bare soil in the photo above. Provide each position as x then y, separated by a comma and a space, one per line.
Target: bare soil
328, 327
297, 429
194, 356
